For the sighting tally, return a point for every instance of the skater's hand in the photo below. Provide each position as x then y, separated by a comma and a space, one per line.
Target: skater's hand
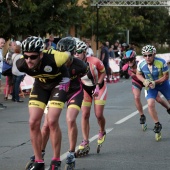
96, 91
152, 84
146, 82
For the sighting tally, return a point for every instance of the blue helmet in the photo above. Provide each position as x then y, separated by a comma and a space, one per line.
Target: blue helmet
130, 54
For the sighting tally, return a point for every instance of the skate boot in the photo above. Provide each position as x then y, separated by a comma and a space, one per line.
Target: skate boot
101, 139
37, 166
168, 110
70, 161
143, 122
84, 149
31, 161
55, 165
157, 129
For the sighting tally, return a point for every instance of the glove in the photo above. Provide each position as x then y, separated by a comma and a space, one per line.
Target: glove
96, 91
64, 84
146, 82
152, 84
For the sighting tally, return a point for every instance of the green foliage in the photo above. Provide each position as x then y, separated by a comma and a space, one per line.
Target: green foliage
38, 17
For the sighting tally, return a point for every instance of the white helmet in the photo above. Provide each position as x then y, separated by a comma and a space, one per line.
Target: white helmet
81, 46
147, 48
154, 49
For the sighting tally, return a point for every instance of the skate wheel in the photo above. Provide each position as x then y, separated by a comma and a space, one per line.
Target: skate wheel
98, 148
29, 165
69, 166
78, 154
144, 127
158, 137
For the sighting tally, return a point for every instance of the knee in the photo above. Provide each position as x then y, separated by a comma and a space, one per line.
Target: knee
71, 122
151, 105
34, 124
85, 116
45, 129
100, 117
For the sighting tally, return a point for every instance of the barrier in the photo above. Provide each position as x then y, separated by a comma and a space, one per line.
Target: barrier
165, 56
27, 83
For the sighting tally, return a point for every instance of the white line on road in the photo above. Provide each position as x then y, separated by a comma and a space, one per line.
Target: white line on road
90, 140
130, 116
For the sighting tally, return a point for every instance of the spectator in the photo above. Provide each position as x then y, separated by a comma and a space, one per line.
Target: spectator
105, 58
89, 51
9, 85
2, 43
17, 75
50, 44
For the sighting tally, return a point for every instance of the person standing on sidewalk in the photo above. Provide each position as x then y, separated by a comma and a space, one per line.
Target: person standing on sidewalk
2, 43
17, 75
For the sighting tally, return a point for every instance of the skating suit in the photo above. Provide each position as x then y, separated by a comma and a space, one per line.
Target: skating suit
159, 67
96, 68
77, 69
51, 77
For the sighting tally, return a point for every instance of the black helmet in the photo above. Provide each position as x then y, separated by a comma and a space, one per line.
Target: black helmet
33, 44
66, 44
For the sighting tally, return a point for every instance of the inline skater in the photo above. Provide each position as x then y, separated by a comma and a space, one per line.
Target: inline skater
77, 69
156, 75
51, 78
137, 85
94, 88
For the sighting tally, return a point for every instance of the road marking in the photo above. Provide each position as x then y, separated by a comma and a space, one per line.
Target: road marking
63, 157
90, 140
130, 116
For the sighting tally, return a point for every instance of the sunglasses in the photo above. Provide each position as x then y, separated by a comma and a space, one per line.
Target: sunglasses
79, 51
32, 57
129, 59
149, 55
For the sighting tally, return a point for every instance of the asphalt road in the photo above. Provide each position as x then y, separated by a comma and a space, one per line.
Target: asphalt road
126, 146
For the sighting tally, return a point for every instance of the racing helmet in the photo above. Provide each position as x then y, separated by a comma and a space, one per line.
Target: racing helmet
147, 49
80, 45
33, 44
154, 49
129, 55
66, 44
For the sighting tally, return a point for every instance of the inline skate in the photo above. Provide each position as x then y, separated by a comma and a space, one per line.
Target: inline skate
143, 122
101, 139
70, 161
84, 149
31, 161
55, 165
157, 129
37, 166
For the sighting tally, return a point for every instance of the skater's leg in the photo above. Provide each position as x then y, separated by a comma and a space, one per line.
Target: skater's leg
137, 99
100, 117
71, 116
85, 122
162, 101
152, 110
45, 131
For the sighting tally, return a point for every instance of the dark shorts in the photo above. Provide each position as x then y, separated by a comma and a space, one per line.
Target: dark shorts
40, 96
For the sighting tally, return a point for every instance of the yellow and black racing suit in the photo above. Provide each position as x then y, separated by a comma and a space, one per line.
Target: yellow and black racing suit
51, 79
